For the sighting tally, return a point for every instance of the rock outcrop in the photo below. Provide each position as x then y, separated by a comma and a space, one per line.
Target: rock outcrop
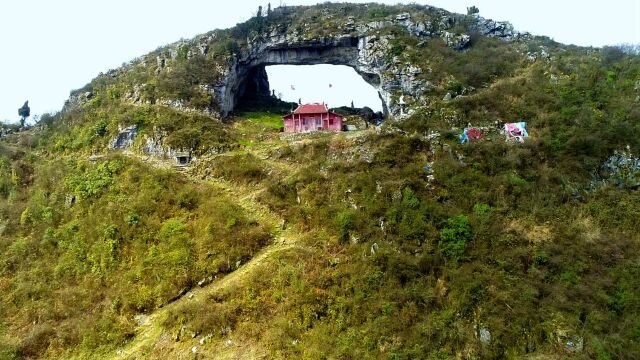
125, 138
622, 169
360, 46
372, 46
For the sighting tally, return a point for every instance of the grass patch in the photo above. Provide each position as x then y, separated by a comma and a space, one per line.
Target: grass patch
265, 119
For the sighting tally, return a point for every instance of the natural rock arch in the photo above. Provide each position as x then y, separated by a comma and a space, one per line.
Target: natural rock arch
247, 73
370, 48
365, 49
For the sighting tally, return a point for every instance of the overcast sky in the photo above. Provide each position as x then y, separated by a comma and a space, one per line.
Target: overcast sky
51, 47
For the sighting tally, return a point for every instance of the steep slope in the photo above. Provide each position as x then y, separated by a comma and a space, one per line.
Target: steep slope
391, 242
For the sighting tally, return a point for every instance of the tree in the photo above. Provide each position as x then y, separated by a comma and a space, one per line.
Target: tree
24, 112
259, 14
268, 9
631, 49
472, 10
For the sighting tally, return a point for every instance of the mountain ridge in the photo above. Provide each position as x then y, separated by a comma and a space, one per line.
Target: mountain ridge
287, 29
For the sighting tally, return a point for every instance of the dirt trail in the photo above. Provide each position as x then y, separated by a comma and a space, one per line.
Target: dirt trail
149, 331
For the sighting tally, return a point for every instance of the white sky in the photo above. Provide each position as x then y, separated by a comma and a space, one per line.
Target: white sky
335, 85
51, 47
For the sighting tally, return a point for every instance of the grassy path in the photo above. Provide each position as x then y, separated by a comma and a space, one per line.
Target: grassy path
149, 332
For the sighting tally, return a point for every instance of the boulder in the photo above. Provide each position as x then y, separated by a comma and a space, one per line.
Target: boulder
141, 319
484, 335
570, 341
498, 29
457, 42
374, 248
403, 17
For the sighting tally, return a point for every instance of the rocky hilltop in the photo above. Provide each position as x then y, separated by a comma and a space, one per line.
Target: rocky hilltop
380, 42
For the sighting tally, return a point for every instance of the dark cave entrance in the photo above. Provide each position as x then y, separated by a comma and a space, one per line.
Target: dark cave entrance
255, 94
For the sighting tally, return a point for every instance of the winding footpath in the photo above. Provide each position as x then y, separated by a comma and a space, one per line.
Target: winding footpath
150, 333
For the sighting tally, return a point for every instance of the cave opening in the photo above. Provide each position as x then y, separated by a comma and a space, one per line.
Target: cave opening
279, 88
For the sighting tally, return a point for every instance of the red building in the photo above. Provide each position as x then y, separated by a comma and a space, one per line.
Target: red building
312, 117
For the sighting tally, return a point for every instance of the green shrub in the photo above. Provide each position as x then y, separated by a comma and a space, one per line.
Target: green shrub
455, 236
92, 179
398, 48
100, 129
345, 222
188, 199
377, 11
481, 209
541, 259
132, 219
455, 88
601, 352
409, 199
569, 277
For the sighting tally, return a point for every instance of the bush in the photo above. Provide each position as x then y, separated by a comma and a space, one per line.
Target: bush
8, 352
93, 179
344, 221
377, 11
454, 237
481, 209
36, 341
243, 168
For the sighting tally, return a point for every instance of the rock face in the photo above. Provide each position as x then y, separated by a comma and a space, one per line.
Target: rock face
125, 138
154, 146
360, 46
499, 29
5, 132
622, 169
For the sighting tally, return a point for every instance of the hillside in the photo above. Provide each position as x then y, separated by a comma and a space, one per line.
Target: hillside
395, 241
